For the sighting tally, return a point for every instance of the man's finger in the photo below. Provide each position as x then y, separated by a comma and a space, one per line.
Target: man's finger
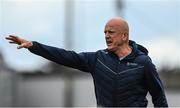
8, 38
20, 46
12, 42
11, 39
16, 38
13, 36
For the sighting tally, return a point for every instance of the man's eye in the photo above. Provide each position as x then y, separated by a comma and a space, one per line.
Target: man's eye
111, 32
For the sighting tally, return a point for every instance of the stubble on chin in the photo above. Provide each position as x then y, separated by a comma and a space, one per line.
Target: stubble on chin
110, 49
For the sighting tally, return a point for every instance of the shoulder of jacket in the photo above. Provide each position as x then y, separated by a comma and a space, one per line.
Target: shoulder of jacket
103, 51
144, 59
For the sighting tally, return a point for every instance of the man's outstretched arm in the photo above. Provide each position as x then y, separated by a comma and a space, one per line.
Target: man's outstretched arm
81, 61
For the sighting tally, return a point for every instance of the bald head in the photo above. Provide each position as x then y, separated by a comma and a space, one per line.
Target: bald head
118, 22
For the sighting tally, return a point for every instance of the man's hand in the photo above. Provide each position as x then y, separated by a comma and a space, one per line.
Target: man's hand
21, 42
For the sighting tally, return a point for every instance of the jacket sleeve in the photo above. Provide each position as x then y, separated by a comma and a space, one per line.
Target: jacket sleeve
81, 61
154, 85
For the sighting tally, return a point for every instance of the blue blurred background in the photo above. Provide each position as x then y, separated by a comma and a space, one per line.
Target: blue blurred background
29, 80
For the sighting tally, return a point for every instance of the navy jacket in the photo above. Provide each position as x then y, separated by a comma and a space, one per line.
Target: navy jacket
122, 83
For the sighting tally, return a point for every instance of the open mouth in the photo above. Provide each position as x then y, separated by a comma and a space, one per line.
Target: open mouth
108, 42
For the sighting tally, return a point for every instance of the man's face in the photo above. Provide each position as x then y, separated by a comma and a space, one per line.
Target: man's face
114, 37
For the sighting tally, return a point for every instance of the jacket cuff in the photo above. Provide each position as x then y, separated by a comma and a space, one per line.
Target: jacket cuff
33, 47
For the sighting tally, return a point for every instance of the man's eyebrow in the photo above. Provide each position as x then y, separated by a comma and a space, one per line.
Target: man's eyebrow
109, 30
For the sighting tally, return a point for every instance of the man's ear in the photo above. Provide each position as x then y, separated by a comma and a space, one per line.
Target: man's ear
125, 36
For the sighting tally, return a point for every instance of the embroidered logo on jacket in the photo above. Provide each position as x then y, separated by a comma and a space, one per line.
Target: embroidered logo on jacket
131, 64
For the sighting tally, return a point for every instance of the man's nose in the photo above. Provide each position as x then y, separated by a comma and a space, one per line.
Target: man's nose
107, 35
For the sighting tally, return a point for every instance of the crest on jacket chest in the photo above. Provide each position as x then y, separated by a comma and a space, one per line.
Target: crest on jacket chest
131, 64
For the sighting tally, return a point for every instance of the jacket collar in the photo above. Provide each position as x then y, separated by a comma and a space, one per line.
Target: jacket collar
136, 51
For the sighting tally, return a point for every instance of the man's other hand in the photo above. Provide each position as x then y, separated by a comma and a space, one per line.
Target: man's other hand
21, 42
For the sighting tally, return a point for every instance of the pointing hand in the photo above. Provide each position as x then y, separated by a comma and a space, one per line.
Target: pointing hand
21, 42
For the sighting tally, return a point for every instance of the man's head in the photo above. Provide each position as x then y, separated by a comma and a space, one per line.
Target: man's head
116, 33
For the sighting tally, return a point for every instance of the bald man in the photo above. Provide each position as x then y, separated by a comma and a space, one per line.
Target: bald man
123, 73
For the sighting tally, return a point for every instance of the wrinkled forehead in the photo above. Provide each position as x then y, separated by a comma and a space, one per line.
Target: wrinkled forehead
108, 27
113, 23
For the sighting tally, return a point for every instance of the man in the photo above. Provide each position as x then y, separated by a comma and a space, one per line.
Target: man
123, 73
